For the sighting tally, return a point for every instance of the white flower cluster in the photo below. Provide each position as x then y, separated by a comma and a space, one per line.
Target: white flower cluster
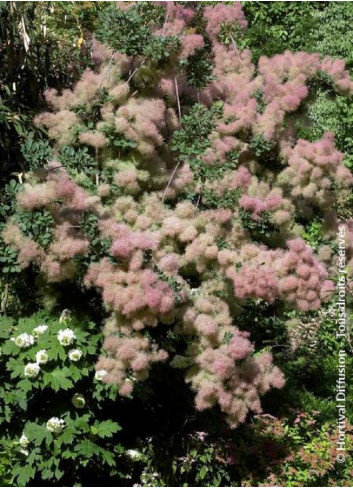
24, 340
134, 454
55, 425
24, 442
32, 370
42, 356
66, 337
100, 374
75, 355
149, 480
39, 330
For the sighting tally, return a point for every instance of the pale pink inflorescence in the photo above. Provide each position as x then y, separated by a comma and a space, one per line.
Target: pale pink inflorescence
219, 14
312, 170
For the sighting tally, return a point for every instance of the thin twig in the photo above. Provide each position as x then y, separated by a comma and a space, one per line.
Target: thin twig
198, 199
67, 226
170, 180
126, 83
200, 194
107, 70
165, 23
177, 96
234, 45
55, 168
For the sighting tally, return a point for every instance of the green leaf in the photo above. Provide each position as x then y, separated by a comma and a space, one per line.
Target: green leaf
36, 433
67, 436
58, 379
47, 473
26, 474
108, 457
203, 472
87, 448
105, 429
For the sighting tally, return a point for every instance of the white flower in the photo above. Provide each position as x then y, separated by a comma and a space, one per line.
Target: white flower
100, 374
41, 356
32, 370
134, 454
24, 340
23, 441
55, 425
75, 355
25, 452
66, 337
40, 329
78, 401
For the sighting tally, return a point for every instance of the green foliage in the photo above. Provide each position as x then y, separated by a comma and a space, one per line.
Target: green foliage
129, 31
299, 452
330, 113
313, 234
191, 141
36, 152
99, 247
77, 159
160, 49
228, 200
65, 389
262, 226
123, 30
151, 13
118, 140
231, 33
41, 45
260, 146
202, 466
332, 35
318, 361
8, 199
37, 224
8, 260
274, 27
198, 68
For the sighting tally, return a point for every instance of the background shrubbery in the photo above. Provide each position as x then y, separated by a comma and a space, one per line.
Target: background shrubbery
148, 176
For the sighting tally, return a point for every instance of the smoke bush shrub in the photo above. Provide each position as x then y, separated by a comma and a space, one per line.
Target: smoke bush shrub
190, 198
